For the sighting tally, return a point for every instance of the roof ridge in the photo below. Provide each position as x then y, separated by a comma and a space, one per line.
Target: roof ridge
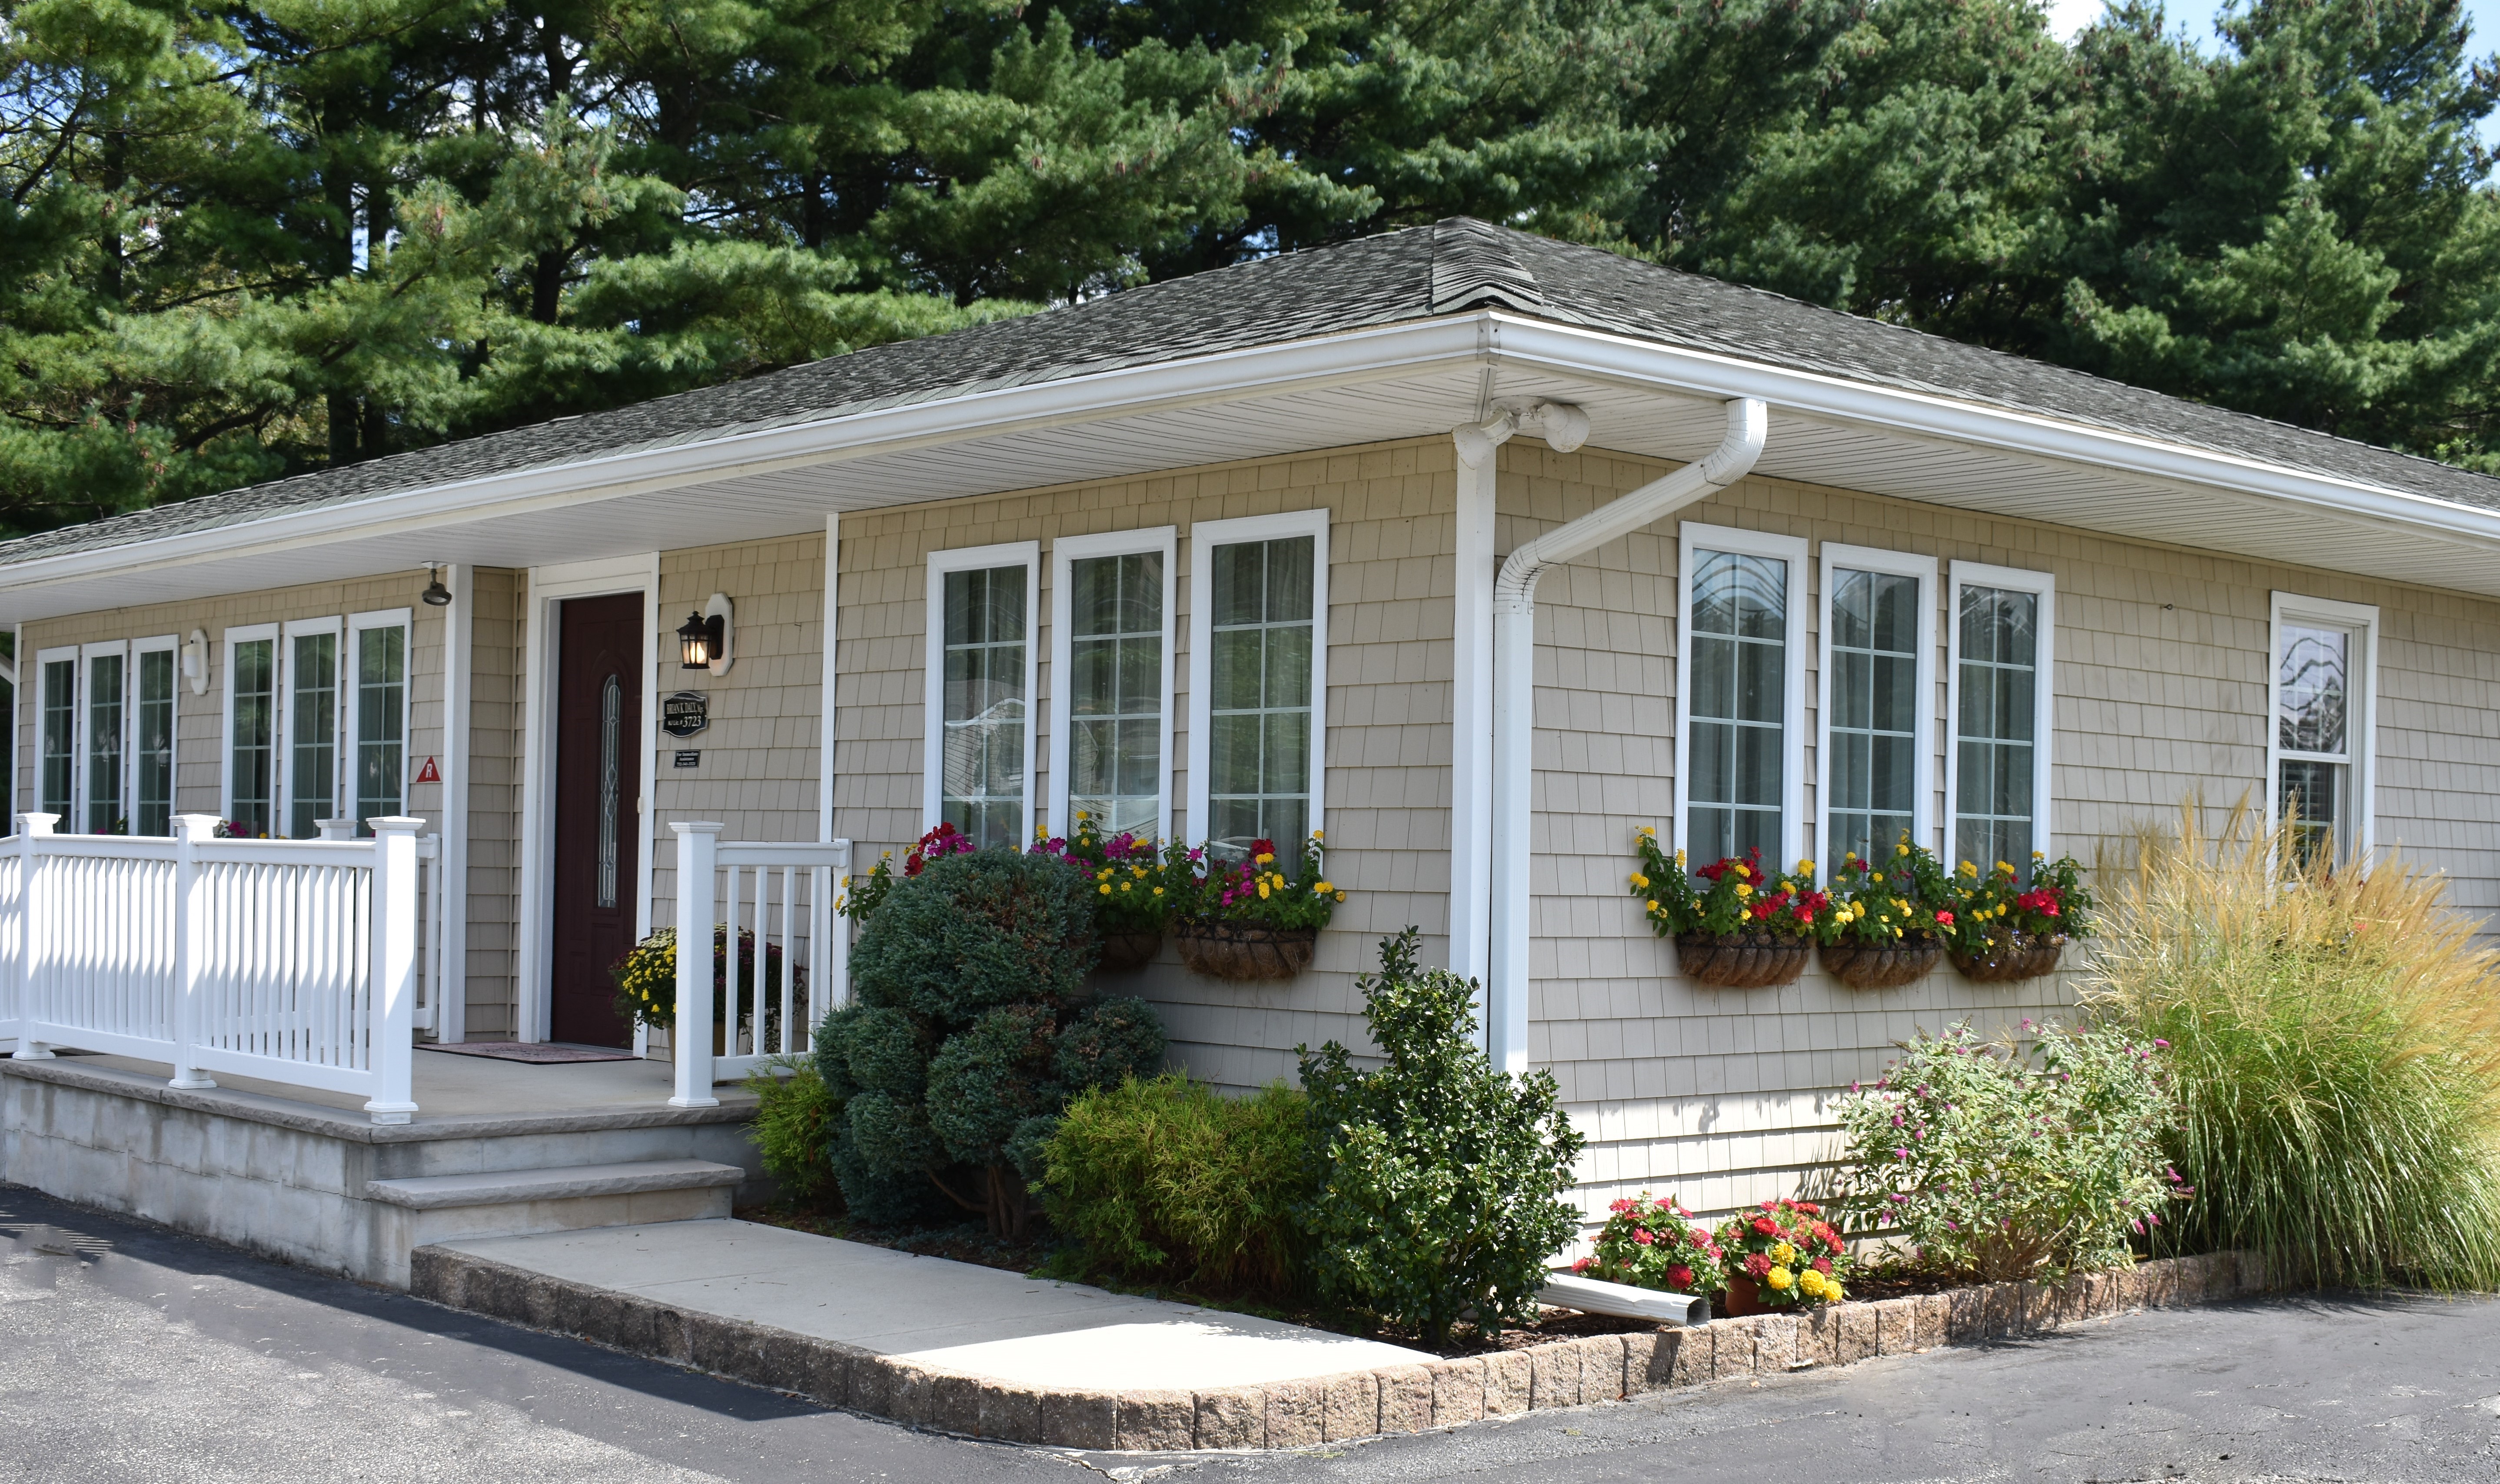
1474, 265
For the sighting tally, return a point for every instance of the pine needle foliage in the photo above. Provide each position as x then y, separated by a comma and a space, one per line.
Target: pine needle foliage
2335, 1038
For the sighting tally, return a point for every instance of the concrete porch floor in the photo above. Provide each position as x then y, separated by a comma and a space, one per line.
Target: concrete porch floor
450, 1086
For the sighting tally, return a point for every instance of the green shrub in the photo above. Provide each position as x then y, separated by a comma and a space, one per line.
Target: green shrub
2334, 1035
793, 1131
1994, 1167
1436, 1181
1164, 1180
968, 1029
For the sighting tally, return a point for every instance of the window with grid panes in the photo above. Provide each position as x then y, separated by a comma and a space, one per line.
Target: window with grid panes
1994, 729
105, 702
382, 710
1873, 731
1260, 707
251, 719
982, 769
2314, 738
152, 776
311, 733
1115, 691
1737, 705
58, 741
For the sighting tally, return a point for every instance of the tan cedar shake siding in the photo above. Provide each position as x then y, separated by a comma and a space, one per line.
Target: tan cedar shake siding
760, 759
1388, 704
199, 720
498, 598
1721, 1096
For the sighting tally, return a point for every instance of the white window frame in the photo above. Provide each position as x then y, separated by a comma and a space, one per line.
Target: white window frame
351, 708
1204, 537
2361, 706
1065, 553
1694, 537
160, 644
284, 788
1015, 553
1837, 559
2044, 699
234, 638
83, 788
45, 658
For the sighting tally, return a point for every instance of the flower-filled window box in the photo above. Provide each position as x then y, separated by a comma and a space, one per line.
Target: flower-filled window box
1888, 918
1735, 925
2005, 931
1135, 889
1252, 920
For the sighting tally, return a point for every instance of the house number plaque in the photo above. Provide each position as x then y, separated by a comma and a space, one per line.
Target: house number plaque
685, 713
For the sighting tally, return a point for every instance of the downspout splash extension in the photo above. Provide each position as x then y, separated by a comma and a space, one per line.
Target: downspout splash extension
1514, 700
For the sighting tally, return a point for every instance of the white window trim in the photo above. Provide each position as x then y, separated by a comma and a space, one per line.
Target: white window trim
283, 787
234, 638
1836, 559
1015, 553
78, 730
82, 786
1692, 537
1065, 553
2044, 698
160, 644
2362, 704
1204, 537
351, 706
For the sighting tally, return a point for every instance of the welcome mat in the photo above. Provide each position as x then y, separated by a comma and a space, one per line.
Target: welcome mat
535, 1052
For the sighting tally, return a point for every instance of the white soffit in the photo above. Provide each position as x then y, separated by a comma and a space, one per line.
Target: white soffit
1811, 447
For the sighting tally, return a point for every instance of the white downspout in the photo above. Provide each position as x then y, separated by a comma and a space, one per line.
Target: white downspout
1514, 697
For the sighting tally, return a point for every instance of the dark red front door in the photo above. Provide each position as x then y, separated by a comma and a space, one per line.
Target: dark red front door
598, 824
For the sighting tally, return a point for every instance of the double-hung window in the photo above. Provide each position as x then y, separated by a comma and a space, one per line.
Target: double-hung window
309, 725
1740, 697
57, 733
978, 766
151, 736
252, 728
375, 714
2321, 683
1110, 730
1878, 702
1258, 600
2004, 628
103, 739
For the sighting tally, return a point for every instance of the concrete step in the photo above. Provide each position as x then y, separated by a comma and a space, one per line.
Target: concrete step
506, 1187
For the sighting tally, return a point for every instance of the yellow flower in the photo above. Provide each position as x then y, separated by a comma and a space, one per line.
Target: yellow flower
1319, 835
1081, 814
1902, 849
1743, 890
1831, 1291
1900, 904
1654, 909
1263, 891
1679, 858
1779, 1277
1969, 870
1340, 896
1323, 889
2039, 855
1850, 856
1742, 874
1137, 871
1805, 867
1105, 888
2002, 866
1128, 886
1783, 1253
1102, 874
1639, 882
1649, 832
1810, 1283
1263, 858
1158, 891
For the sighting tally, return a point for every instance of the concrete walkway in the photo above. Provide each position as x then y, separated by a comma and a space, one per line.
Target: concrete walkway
945, 1315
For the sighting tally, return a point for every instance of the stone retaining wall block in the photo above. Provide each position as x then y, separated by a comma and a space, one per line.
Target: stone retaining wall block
1857, 1338
2252, 1273
1009, 1412
1081, 1419
2000, 1310
829, 1373
911, 1395
1554, 1376
1775, 1344
1349, 1406
1236, 1417
1602, 1369
1157, 1421
1506, 1383
1647, 1360
1406, 1399
1295, 1411
1458, 1391
1966, 1324
1818, 1335
1896, 1326
1694, 1353
955, 1404
1732, 1348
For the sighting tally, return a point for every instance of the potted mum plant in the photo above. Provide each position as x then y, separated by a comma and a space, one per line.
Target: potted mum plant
1655, 1244
1887, 917
1251, 920
1781, 1255
1740, 927
646, 983
2003, 931
1133, 888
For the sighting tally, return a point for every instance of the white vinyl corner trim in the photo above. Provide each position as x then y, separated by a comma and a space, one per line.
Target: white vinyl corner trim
1514, 644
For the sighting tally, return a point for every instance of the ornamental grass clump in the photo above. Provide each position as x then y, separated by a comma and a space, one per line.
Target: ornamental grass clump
1438, 1179
2334, 1035
1992, 1166
1163, 1180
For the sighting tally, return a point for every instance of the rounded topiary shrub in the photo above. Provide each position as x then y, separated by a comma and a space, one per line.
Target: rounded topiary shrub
969, 1030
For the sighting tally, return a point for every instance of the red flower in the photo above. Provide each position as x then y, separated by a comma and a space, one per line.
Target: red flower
1641, 1234
1823, 1264
1757, 1262
1680, 1275
1582, 1266
1766, 1226
1259, 847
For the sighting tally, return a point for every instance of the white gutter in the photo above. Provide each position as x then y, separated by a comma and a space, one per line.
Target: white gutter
1514, 697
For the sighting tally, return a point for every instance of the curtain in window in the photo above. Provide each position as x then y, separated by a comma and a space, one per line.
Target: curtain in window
1261, 712
1115, 691
1994, 794
59, 741
981, 771
1737, 705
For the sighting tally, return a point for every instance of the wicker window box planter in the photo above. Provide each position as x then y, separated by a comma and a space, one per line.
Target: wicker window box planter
1881, 966
1232, 950
2021, 956
1741, 960
1122, 952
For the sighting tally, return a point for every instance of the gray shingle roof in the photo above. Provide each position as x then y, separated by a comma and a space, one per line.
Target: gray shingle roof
1456, 265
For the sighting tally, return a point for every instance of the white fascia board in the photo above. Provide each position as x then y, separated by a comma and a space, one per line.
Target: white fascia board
1563, 351
1335, 361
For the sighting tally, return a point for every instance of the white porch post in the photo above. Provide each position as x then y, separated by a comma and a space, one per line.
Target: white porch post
394, 967
30, 941
190, 928
451, 858
1471, 674
698, 845
835, 991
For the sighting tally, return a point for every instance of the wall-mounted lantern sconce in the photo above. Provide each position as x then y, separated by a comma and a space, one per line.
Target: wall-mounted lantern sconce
703, 639
436, 595
196, 661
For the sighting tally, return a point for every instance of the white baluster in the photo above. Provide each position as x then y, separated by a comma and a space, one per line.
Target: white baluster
394, 972
697, 845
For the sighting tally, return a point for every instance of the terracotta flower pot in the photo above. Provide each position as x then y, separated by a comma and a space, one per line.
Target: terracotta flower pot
1881, 966
1741, 1299
1232, 950
1125, 951
1741, 960
2017, 956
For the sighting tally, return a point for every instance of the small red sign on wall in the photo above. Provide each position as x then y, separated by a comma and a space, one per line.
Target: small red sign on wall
429, 774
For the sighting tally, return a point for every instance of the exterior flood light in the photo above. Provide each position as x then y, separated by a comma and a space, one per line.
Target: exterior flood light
436, 595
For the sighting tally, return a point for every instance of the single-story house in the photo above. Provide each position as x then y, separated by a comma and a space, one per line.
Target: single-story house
1288, 546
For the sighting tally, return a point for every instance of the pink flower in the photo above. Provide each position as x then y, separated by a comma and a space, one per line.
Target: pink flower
1641, 1234
1680, 1275
1582, 1266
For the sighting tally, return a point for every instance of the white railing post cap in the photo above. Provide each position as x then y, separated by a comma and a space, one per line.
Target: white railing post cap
697, 826
196, 826
38, 824
395, 824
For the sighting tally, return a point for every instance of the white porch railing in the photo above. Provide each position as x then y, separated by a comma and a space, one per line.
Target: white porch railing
290, 961
785, 895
